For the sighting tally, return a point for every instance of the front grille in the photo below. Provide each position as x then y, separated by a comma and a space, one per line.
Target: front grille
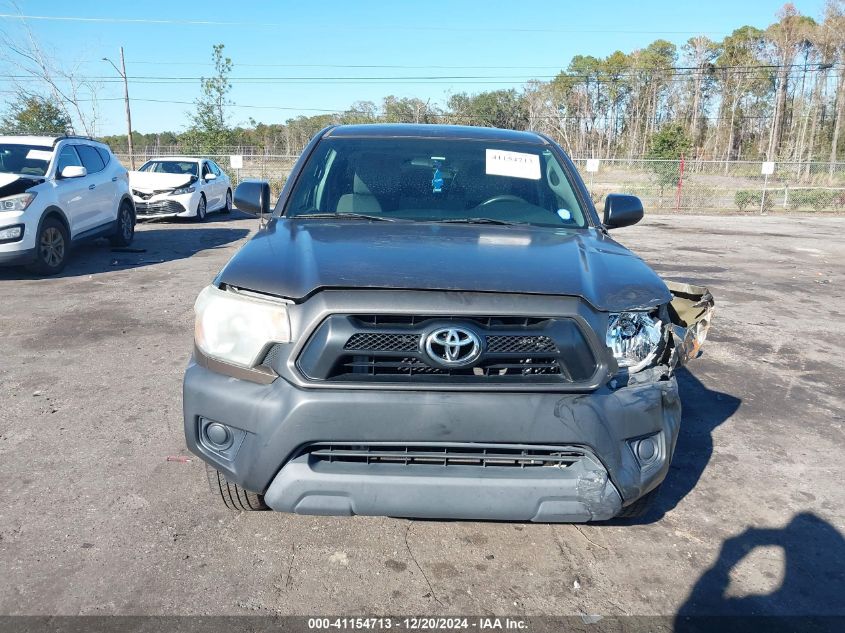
439, 454
158, 208
386, 342
391, 349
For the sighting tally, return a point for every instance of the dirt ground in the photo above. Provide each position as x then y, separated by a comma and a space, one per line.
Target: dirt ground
96, 520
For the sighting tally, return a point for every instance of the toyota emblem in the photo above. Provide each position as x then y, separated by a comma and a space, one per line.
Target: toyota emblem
453, 346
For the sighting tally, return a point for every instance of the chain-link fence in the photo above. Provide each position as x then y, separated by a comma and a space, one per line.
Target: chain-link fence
720, 186
274, 169
666, 185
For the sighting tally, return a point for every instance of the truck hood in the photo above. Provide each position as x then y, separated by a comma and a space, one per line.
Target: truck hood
295, 258
151, 181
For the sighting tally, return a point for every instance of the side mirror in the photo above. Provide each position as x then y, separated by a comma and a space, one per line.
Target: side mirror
73, 171
210, 176
622, 210
253, 197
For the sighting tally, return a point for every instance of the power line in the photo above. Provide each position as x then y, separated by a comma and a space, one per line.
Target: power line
505, 29
680, 73
629, 67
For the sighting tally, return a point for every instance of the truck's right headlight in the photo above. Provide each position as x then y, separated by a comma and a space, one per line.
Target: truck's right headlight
634, 338
237, 328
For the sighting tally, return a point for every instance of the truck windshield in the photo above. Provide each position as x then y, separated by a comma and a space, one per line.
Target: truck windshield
180, 167
436, 180
26, 160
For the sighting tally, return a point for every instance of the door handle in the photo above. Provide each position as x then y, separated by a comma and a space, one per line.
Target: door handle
114, 179
91, 186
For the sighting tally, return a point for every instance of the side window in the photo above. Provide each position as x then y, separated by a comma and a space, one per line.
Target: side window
205, 170
214, 167
104, 154
90, 158
68, 158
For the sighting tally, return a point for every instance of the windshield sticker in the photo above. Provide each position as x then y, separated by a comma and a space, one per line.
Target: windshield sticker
514, 164
39, 154
564, 214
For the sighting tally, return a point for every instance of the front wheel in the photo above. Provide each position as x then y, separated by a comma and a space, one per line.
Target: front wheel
125, 231
234, 497
227, 208
51, 248
202, 209
640, 507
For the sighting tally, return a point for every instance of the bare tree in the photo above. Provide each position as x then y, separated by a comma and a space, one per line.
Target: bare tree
73, 94
835, 19
787, 36
699, 53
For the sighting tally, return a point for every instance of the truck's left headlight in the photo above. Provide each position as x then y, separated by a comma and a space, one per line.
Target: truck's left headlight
634, 338
237, 328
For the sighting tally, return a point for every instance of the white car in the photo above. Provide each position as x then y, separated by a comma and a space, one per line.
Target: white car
179, 186
56, 191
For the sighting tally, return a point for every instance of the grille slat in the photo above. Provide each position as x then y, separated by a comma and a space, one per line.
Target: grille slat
520, 344
383, 342
399, 320
486, 456
380, 366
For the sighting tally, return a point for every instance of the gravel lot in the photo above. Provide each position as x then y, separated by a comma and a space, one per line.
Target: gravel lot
95, 519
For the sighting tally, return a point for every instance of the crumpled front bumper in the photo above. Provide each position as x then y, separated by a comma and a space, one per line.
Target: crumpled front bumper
164, 206
273, 423
578, 493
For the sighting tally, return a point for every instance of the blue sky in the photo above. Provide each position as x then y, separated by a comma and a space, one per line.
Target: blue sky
498, 44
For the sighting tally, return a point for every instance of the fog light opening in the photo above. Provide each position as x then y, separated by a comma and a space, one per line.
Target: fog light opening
646, 450
219, 436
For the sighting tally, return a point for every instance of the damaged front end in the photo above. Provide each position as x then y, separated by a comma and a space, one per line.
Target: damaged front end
649, 346
690, 312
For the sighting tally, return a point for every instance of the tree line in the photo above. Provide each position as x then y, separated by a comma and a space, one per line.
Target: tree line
776, 93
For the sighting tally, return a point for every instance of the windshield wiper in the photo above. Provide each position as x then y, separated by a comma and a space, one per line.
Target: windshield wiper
477, 221
351, 216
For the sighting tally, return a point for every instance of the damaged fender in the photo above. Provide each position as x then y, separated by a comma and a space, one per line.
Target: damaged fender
691, 313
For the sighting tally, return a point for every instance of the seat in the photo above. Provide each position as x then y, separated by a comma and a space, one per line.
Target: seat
361, 200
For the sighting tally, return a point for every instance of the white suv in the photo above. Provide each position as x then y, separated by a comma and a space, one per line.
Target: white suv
56, 191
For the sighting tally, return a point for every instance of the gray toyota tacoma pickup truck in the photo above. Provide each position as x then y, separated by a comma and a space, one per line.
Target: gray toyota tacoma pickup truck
434, 322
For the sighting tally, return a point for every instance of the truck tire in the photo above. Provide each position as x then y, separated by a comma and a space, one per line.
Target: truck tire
235, 497
640, 507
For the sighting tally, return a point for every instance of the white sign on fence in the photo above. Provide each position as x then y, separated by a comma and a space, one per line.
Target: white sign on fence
236, 161
768, 168
592, 165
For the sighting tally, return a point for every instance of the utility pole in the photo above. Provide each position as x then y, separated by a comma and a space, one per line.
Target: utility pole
122, 72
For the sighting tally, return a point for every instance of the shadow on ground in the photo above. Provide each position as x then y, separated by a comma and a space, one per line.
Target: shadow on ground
810, 598
154, 243
703, 410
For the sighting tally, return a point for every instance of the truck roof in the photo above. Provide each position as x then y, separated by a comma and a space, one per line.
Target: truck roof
415, 130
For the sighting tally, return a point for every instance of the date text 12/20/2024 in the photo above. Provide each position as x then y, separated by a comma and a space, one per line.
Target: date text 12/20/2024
418, 623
